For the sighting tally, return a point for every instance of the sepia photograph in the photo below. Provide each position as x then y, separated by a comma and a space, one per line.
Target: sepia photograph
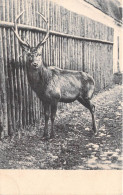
61, 72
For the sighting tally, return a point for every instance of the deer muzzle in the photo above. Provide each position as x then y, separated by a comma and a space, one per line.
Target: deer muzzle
35, 65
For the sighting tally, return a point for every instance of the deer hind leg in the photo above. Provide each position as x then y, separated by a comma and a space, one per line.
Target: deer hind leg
91, 107
46, 114
53, 115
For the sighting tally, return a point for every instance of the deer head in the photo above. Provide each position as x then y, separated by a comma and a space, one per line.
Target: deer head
34, 54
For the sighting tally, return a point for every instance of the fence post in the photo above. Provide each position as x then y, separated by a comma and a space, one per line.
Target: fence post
3, 96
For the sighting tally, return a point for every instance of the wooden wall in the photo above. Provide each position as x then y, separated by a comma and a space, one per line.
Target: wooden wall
65, 48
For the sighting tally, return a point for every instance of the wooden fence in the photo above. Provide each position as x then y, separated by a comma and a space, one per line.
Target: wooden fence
76, 42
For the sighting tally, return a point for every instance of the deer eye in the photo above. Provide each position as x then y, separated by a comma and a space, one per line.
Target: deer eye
30, 58
28, 54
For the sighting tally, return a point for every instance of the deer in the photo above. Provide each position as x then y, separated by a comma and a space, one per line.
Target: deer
52, 84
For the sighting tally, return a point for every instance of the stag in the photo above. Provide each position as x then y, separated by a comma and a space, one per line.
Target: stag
52, 84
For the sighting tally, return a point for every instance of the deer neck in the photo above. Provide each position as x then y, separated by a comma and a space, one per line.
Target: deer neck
45, 74
38, 78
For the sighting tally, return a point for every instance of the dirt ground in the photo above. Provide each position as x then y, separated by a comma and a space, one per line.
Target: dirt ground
75, 146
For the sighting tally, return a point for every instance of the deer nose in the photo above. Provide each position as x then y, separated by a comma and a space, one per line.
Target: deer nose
35, 64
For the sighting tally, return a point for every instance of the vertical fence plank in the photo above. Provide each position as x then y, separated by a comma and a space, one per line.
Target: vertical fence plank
1, 10
26, 83
7, 87
3, 92
10, 78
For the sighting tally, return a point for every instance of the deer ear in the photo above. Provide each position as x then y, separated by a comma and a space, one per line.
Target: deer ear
39, 50
25, 48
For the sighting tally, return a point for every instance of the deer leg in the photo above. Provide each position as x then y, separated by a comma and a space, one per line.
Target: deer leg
53, 115
46, 114
91, 107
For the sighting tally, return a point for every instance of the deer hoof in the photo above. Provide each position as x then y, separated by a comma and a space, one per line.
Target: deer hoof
95, 133
52, 136
45, 136
94, 130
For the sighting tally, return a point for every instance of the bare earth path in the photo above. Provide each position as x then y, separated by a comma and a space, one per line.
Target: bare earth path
75, 146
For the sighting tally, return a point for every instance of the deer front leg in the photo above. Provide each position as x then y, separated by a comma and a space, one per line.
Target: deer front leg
53, 114
46, 114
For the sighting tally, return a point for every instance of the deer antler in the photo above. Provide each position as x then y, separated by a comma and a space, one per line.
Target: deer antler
47, 34
25, 43
16, 31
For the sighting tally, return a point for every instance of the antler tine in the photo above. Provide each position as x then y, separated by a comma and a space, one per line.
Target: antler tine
47, 35
42, 17
16, 31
